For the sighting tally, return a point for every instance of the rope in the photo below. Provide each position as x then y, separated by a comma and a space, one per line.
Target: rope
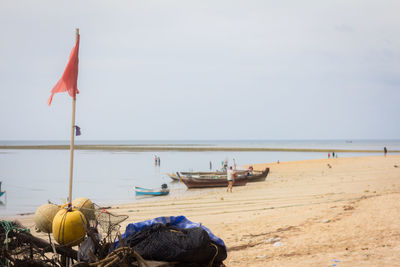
117, 255
216, 253
9, 226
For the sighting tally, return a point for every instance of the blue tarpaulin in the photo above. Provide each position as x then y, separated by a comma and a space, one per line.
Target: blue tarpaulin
178, 221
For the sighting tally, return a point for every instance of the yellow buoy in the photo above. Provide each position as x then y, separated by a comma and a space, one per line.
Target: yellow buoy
69, 227
85, 206
44, 217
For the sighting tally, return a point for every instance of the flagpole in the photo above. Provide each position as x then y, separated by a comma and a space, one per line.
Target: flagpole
71, 147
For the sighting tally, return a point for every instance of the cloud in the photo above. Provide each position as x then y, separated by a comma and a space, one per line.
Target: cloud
344, 28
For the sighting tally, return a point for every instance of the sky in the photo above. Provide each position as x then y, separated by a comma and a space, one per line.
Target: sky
202, 70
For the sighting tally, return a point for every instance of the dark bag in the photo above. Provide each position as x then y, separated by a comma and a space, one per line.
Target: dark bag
163, 242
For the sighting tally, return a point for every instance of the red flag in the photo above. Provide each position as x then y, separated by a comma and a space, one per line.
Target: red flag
69, 79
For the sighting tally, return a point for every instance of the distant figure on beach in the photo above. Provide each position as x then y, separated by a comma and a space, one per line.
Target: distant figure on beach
385, 151
333, 154
155, 160
231, 179
225, 165
329, 155
159, 161
210, 166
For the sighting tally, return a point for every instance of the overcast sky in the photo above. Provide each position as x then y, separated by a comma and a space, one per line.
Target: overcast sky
202, 69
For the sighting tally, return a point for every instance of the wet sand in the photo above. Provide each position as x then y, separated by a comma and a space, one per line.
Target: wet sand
342, 211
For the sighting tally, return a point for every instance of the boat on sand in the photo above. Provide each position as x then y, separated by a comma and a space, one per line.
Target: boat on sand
141, 191
193, 182
204, 174
257, 176
253, 176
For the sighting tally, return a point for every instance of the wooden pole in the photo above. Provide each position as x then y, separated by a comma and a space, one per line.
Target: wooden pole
63, 250
71, 147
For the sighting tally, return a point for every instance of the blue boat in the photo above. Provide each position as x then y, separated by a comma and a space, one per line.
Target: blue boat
140, 191
1, 192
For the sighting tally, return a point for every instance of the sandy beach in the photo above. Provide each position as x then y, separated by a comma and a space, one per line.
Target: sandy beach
342, 211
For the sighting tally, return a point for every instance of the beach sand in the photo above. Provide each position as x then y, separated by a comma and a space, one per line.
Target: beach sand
343, 211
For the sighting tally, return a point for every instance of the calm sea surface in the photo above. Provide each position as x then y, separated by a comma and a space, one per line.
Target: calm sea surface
32, 177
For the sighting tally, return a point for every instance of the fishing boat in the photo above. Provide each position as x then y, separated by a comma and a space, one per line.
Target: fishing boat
257, 176
203, 173
216, 174
210, 173
1, 192
140, 191
173, 176
194, 182
253, 176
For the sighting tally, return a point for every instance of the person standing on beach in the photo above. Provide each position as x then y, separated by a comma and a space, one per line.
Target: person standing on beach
210, 166
329, 155
230, 178
385, 151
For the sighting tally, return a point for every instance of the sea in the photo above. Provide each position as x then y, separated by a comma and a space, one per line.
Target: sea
33, 177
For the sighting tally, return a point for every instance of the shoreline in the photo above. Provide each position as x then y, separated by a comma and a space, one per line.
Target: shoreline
307, 212
194, 148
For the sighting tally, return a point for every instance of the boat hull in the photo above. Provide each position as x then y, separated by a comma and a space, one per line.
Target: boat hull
258, 177
173, 176
140, 191
203, 173
191, 182
218, 173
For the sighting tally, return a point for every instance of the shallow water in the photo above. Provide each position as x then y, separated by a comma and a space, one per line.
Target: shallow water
32, 177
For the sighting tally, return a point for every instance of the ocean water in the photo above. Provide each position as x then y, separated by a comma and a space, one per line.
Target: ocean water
34, 177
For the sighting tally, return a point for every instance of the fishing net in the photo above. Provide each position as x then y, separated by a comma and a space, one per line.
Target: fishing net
163, 242
19, 248
106, 222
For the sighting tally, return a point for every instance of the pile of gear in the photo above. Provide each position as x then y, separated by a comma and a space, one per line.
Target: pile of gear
163, 241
